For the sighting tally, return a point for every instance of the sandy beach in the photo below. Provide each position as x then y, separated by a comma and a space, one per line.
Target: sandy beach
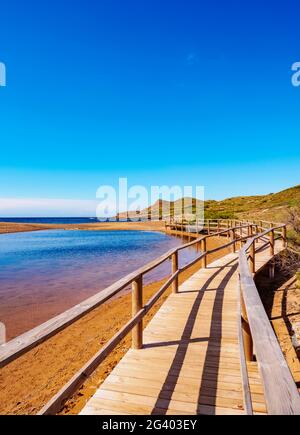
29, 382
11, 227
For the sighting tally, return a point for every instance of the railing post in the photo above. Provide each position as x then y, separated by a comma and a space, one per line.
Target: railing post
241, 236
234, 243
252, 257
247, 337
284, 237
203, 249
272, 243
174, 270
137, 305
256, 233
208, 227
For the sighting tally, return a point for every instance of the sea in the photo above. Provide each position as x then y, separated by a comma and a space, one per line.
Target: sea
55, 220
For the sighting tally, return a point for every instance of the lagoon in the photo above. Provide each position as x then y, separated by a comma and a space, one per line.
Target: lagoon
44, 273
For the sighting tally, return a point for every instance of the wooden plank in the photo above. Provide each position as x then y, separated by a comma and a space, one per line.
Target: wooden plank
197, 355
183, 384
210, 365
180, 392
176, 405
187, 378
188, 359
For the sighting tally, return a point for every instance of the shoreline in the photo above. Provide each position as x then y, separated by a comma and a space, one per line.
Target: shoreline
18, 227
29, 382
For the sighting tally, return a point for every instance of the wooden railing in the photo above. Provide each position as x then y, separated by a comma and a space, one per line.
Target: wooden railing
257, 335
198, 225
237, 235
214, 225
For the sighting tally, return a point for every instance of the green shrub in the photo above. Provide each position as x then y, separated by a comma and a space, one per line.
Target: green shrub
219, 215
293, 238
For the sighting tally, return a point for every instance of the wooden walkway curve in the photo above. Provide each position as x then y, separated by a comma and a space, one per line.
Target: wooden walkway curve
190, 361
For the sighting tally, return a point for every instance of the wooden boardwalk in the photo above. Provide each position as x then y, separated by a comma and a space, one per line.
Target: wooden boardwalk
190, 361
210, 349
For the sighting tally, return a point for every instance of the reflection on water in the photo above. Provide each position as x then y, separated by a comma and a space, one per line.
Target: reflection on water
44, 273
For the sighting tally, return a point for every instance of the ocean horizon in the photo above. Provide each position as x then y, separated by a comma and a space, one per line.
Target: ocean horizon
59, 220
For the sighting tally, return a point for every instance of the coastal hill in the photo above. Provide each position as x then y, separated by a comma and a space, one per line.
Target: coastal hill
274, 206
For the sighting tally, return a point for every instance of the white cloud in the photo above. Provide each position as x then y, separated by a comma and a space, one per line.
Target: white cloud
29, 207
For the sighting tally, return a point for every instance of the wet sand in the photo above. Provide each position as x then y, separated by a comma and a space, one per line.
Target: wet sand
29, 382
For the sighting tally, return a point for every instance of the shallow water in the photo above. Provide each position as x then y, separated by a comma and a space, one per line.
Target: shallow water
44, 273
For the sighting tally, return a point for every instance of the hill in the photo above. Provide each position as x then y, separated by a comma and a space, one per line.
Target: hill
273, 206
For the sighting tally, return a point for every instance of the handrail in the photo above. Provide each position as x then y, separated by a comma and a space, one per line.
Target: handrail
244, 370
280, 390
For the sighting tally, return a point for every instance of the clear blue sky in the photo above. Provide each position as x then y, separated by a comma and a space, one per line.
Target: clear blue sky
173, 91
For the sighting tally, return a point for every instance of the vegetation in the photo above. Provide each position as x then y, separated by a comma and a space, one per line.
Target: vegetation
283, 206
273, 206
294, 226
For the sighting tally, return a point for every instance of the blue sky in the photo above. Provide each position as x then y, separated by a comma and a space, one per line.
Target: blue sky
172, 92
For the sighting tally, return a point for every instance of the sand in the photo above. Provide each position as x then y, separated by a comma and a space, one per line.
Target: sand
29, 382
11, 227
281, 298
